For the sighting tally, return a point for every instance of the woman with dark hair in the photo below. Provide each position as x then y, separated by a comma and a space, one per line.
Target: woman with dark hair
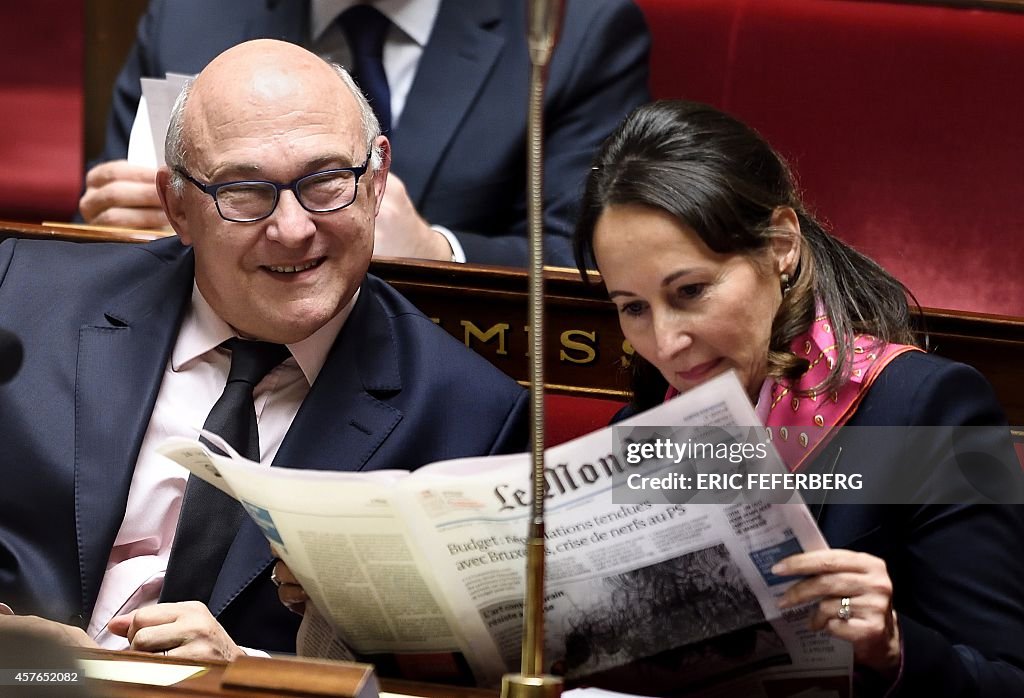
714, 264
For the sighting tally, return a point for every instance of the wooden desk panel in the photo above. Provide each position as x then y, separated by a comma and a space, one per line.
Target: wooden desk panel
485, 307
70, 232
209, 683
585, 351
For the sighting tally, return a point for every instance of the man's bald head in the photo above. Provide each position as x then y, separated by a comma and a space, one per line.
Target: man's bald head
277, 144
261, 72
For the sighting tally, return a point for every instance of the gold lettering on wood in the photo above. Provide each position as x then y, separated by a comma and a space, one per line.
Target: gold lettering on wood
570, 341
499, 330
626, 360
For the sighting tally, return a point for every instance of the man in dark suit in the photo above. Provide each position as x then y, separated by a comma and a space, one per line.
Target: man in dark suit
125, 345
459, 135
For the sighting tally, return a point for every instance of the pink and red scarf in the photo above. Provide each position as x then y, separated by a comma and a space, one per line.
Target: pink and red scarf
799, 420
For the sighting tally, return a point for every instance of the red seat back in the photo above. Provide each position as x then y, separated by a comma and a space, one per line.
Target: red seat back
41, 99
902, 122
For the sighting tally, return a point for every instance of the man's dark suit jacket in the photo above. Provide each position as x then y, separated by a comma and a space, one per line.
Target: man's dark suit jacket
460, 146
98, 323
956, 560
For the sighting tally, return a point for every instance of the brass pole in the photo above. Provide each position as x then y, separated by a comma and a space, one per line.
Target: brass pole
544, 19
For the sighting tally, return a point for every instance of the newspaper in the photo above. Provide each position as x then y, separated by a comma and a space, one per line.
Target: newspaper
434, 561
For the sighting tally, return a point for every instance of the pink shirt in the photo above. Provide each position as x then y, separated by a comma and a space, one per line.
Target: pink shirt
193, 381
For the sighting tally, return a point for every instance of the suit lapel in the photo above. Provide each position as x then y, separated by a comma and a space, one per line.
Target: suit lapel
340, 425
447, 82
121, 360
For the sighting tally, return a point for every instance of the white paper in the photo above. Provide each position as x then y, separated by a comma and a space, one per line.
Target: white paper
140, 141
149, 130
148, 673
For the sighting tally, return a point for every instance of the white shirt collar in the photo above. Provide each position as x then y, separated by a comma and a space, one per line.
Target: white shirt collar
203, 330
414, 17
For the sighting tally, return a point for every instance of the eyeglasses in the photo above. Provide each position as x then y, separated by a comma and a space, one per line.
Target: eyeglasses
253, 200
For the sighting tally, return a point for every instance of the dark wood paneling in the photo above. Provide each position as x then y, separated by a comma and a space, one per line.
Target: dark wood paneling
109, 33
486, 308
490, 297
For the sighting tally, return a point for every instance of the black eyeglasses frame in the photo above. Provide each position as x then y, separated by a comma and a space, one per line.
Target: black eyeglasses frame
293, 186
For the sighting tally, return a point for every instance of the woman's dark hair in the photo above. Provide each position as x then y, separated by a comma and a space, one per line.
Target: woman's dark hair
720, 178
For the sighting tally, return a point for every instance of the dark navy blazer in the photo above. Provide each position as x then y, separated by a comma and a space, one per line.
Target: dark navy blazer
98, 323
460, 146
956, 559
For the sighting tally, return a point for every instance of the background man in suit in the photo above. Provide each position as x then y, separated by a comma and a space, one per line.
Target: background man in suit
458, 73
126, 345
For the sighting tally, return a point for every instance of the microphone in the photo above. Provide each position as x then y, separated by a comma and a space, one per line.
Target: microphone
10, 355
543, 20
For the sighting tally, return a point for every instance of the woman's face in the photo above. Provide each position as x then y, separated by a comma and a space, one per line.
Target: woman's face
691, 312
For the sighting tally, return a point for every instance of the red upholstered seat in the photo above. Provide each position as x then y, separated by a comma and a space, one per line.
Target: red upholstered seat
570, 416
41, 100
40, 152
902, 122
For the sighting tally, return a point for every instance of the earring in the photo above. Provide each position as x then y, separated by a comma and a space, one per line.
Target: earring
785, 283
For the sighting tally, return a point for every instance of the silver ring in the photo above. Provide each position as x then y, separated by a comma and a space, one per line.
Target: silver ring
844, 613
273, 577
